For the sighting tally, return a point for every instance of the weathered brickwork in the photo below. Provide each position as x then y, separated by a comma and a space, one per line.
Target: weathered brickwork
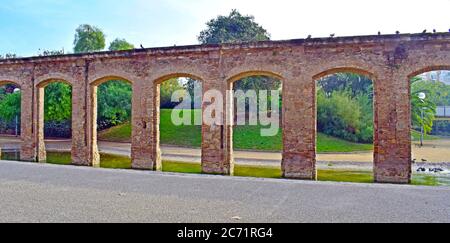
389, 60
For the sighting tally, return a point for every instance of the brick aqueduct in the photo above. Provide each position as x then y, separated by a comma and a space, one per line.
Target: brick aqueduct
389, 60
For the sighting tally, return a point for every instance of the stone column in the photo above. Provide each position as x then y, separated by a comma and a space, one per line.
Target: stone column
145, 149
299, 127
80, 117
392, 141
41, 155
217, 154
28, 151
94, 155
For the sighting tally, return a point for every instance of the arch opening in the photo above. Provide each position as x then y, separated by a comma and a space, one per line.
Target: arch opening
345, 125
178, 123
430, 122
256, 117
111, 121
54, 112
10, 120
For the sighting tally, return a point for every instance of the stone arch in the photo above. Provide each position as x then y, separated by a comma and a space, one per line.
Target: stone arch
230, 108
41, 84
45, 80
414, 71
335, 70
349, 69
102, 80
346, 69
5, 81
245, 74
94, 155
428, 68
166, 77
156, 108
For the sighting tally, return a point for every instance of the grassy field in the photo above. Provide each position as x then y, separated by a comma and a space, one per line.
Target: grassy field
122, 162
244, 137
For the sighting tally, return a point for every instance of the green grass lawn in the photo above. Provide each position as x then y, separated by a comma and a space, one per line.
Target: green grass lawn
123, 162
121, 133
244, 137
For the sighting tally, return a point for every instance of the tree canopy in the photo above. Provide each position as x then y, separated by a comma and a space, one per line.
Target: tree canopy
120, 45
236, 28
58, 102
423, 112
233, 29
88, 39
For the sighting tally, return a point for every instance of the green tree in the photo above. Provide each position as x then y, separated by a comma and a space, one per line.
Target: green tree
88, 39
423, 112
437, 92
114, 103
120, 45
356, 83
58, 102
234, 28
10, 107
340, 94
166, 90
341, 115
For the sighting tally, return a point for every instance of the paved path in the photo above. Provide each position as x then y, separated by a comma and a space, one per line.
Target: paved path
48, 193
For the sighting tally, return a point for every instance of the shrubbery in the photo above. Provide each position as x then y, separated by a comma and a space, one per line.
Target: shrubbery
58, 129
114, 103
341, 115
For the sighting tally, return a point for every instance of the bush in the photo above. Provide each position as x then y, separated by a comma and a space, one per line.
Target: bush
114, 103
9, 127
58, 129
341, 115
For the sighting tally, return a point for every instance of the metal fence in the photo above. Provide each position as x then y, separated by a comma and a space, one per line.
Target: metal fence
443, 111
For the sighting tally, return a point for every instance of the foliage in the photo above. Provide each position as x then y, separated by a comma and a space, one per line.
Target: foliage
423, 111
345, 107
166, 90
437, 92
357, 84
195, 90
58, 102
114, 103
9, 106
58, 129
338, 115
120, 45
237, 28
88, 39
232, 29
257, 83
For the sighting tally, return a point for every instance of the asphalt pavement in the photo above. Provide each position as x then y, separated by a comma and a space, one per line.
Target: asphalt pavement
32, 192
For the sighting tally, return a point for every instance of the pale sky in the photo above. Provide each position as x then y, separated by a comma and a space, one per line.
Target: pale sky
27, 25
